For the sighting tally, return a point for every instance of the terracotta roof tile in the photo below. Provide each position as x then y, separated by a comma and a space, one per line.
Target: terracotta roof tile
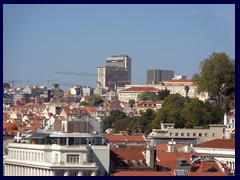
118, 155
122, 138
143, 173
164, 147
218, 143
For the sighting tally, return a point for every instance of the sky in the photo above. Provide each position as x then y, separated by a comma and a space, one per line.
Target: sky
39, 40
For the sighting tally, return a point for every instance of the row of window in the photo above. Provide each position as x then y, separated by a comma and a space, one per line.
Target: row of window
26, 155
190, 134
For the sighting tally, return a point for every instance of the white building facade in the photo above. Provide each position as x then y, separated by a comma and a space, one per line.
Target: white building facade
58, 154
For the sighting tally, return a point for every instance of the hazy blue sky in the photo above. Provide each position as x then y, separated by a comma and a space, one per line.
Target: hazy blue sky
39, 40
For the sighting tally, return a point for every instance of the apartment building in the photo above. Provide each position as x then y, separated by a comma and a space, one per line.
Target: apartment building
186, 136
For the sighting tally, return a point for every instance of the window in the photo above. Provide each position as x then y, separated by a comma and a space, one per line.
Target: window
188, 134
63, 141
73, 173
223, 130
176, 134
86, 173
59, 173
170, 134
72, 159
206, 134
182, 134
212, 134
200, 134
194, 134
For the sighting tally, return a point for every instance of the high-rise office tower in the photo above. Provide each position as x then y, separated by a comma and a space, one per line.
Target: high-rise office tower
116, 72
156, 76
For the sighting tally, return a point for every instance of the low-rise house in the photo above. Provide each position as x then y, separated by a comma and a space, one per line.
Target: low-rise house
229, 122
34, 90
144, 105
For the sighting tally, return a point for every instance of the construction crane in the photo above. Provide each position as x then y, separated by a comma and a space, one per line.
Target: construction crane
120, 82
48, 81
15, 81
99, 88
68, 84
75, 73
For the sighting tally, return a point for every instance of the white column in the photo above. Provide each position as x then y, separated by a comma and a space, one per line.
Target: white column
52, 173
79, 173
12, 170
21, 168
66, 173
17, 171
93, 173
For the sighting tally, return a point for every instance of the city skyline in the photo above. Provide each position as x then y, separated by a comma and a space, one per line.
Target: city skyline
40, 40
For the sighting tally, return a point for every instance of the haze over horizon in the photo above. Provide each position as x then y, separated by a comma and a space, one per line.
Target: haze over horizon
39, 39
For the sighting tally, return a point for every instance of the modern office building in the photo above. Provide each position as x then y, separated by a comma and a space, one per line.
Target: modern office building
156, 76
116, 72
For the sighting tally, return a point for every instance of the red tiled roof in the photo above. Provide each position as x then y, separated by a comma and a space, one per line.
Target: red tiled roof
89, 109
231, 116
218, 143
122, 138
141, 89
143, 173
220, 173
181, 80
129, 153
164, 147
118, 155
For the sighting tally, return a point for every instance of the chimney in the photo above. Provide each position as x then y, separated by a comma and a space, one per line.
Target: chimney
153, 155
150, 157
171, 145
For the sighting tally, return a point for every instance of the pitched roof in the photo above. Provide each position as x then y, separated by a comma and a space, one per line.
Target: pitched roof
164, 147
141, 89
122, 138
131, 156
218, 143
143, 173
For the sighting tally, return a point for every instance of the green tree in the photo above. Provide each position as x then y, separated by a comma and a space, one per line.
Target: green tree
112, 120
131, 102
171, 111
162, 94
95, 100
217, 71
84, 103
186, 88
147, 96
193, 113
145, 121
